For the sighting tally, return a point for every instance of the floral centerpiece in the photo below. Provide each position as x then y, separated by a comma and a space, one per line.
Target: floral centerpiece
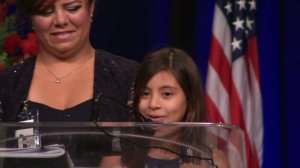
16, 42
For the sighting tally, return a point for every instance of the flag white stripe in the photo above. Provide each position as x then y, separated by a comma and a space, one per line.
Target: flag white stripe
241, 83
257, 129
218, 93
234, 157
221, 31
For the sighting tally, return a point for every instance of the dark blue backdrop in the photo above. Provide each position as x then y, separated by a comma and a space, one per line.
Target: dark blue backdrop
133, 28
290, 26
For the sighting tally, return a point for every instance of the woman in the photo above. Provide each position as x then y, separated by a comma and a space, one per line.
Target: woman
68, 81
167, 88
64, 80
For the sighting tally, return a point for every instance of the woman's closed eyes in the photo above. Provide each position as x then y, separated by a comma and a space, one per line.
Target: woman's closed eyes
48, 11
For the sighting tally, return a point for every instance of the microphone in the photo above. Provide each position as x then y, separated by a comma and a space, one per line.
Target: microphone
140, 118
96, 108
124, 142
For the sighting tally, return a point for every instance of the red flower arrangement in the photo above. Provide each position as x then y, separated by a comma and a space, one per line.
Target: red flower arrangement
12, 46
15, 45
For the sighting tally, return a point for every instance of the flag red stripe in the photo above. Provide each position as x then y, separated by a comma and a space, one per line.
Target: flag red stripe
213, 112
237, 118
220, 63
254, 159
252, 54
236, 108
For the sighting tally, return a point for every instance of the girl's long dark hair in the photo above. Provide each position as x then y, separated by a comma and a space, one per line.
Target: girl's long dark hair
182, 66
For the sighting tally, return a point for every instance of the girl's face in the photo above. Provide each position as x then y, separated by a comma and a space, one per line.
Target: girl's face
163, 99
64, 26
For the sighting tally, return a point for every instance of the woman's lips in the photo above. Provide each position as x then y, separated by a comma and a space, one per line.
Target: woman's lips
62, 35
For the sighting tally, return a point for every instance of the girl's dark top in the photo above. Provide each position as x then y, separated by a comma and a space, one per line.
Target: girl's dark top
161, 163
113, 77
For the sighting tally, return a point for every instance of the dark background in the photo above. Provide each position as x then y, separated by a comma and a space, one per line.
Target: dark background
133, 28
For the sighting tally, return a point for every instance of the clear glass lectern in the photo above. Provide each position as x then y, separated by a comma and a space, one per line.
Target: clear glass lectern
121, 144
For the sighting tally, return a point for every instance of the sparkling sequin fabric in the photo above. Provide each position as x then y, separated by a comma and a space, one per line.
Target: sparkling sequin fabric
113, 77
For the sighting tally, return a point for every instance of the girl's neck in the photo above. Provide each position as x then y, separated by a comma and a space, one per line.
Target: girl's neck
162, 154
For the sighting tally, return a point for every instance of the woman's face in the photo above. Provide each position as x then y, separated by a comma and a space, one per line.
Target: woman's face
64, 26
163, 99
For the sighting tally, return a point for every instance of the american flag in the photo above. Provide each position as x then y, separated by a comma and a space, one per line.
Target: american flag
232, 88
